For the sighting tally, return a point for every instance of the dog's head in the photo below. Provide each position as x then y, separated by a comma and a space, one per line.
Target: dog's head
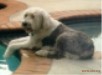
34, 19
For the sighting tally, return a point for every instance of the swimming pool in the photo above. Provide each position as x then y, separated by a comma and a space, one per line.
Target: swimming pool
92, 28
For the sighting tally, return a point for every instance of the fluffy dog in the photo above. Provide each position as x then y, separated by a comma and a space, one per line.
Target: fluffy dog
51, 37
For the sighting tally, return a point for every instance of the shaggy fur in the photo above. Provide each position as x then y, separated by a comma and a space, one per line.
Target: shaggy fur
51, 37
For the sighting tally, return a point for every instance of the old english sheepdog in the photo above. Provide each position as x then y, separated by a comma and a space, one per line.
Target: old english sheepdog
52, 38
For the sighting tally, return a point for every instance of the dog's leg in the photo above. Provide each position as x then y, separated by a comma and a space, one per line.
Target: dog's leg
71, 56
15, 46
19, 40
44, 51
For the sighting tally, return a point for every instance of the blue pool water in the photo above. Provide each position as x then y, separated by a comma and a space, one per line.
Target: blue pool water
93, 29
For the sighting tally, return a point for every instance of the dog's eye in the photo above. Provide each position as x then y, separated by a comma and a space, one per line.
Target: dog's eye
32, 16
26, 15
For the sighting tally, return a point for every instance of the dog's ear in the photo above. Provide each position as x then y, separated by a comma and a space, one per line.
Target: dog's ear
42, 21
45, 20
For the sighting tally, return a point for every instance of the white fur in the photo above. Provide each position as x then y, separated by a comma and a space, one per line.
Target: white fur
49, 24
44, 51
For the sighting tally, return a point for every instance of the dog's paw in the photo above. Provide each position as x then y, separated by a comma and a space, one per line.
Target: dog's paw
6, 56
42, 53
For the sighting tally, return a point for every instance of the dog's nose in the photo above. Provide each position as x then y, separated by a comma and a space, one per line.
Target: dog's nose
24, 24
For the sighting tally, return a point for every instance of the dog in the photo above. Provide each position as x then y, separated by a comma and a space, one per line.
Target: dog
52, 38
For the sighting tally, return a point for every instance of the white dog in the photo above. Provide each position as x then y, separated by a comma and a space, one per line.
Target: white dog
53, 38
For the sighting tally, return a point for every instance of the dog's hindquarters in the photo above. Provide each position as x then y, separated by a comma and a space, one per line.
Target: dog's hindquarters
87, 46
75, 45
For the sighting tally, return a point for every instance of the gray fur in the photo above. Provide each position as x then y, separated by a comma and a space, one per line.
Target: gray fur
66, 40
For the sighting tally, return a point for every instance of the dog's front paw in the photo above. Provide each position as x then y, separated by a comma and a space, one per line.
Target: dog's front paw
5, 56
42, 53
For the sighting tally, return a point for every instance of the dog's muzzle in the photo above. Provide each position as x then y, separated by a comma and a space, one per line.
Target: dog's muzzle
27, 26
